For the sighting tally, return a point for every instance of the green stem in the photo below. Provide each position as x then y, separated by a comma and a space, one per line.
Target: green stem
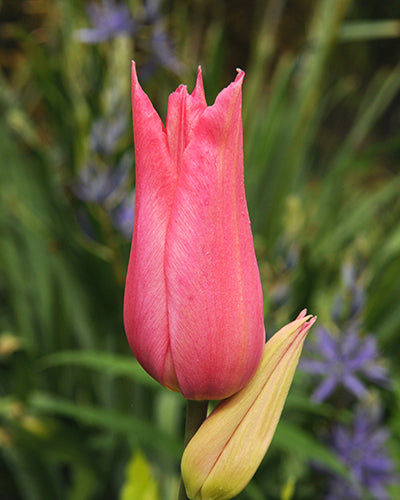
196, 413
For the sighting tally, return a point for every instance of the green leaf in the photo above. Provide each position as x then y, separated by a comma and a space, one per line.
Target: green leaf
253, 491
288, 489
300, 403
140, 483
293, 439
112, 364
369, 30
140, 431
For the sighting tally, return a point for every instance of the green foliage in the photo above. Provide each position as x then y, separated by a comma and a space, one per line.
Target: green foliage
140, 483
305, 447
321, 146
111, 364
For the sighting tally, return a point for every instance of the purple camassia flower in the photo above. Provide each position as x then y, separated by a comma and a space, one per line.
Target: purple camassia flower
105, 134
103, 183
161, 54
105, 186
342, 359
355, 295
152, 9
122, 216
162, 50
361, 448
109, 20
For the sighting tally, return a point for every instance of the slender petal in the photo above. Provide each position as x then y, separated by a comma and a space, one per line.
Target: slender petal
145, 304
313, 366
324, 389
328, 344
354, 385
184, 111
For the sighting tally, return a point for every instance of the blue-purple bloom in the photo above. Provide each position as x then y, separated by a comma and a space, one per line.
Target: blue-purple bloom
108, 187
109, 19
343, 360
361, 447
105, 135
103, 181
352, 302
103, 184
162, 49
122, 216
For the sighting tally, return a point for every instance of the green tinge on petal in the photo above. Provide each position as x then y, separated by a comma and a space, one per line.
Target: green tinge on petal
226, 451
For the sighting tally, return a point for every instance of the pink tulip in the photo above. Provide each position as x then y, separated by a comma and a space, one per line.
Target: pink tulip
193, 308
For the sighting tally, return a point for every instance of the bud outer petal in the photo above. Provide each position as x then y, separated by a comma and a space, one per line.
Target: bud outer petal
226, 451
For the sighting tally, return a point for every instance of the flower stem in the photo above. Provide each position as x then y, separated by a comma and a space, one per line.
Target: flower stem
196, 412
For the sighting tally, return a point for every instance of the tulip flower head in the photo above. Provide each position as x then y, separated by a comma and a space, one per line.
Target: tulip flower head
193, 308
227, 449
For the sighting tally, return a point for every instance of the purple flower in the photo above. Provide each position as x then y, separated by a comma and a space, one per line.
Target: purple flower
104, 185
104, 181
109, 20
161, 54
162, 49
122, 216
350, 304
152, 9
361, 447
105, 135
342, 359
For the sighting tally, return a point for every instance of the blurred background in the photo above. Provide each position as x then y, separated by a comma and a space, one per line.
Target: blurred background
79, 419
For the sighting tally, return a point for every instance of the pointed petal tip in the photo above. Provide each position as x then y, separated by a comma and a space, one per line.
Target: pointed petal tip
134, 77
199, 79
305, 321
311, 321
133, 68
302, 314
198, 90
306, 326
181, 88
240, 75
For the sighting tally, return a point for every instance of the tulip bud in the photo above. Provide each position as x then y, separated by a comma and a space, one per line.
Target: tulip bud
193, 308
227, 449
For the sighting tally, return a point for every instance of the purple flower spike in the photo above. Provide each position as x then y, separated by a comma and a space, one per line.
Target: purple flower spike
349, 304
105, 186
342, 360
162, 50
108, 20
105, 135
361, 447
122, 217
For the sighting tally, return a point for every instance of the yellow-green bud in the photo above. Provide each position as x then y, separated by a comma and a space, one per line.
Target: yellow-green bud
227, 449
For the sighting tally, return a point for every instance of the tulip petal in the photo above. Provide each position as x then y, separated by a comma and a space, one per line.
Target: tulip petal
184, 111
213, 284
226, 451
145, 305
